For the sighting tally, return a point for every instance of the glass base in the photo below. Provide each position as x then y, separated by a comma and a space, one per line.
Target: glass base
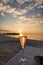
23, 59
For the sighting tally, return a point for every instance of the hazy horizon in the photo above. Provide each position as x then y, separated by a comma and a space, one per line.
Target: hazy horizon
7, 31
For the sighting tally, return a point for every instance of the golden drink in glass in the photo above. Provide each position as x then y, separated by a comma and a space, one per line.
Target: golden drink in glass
23, 42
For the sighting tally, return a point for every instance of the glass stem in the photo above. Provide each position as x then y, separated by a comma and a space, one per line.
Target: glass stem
23, 53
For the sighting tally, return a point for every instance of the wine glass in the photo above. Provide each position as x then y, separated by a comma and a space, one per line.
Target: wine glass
23, 42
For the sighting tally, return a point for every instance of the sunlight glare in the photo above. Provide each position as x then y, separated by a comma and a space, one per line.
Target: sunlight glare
21, 34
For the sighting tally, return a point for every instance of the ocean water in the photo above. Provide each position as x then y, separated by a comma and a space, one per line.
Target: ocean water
32, 36
35, 37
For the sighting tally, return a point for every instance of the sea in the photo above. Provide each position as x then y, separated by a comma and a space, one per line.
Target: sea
31, 36
35, 36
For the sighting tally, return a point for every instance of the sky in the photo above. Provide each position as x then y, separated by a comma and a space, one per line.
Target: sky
21, 16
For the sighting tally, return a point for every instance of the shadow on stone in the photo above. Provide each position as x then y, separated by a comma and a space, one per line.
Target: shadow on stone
39, 60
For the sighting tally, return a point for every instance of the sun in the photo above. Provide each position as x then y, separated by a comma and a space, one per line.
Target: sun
21, 34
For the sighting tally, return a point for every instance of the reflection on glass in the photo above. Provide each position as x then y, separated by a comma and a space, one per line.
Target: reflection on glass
23, 42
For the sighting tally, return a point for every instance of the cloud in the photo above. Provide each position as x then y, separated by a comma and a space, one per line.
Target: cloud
7, 9
28, 0
39, 1
11, 10
21, 1
25, 20
5, 1
38, 19
38, 14
1, 7
30, 8
41, 6
15, 12
2, 14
